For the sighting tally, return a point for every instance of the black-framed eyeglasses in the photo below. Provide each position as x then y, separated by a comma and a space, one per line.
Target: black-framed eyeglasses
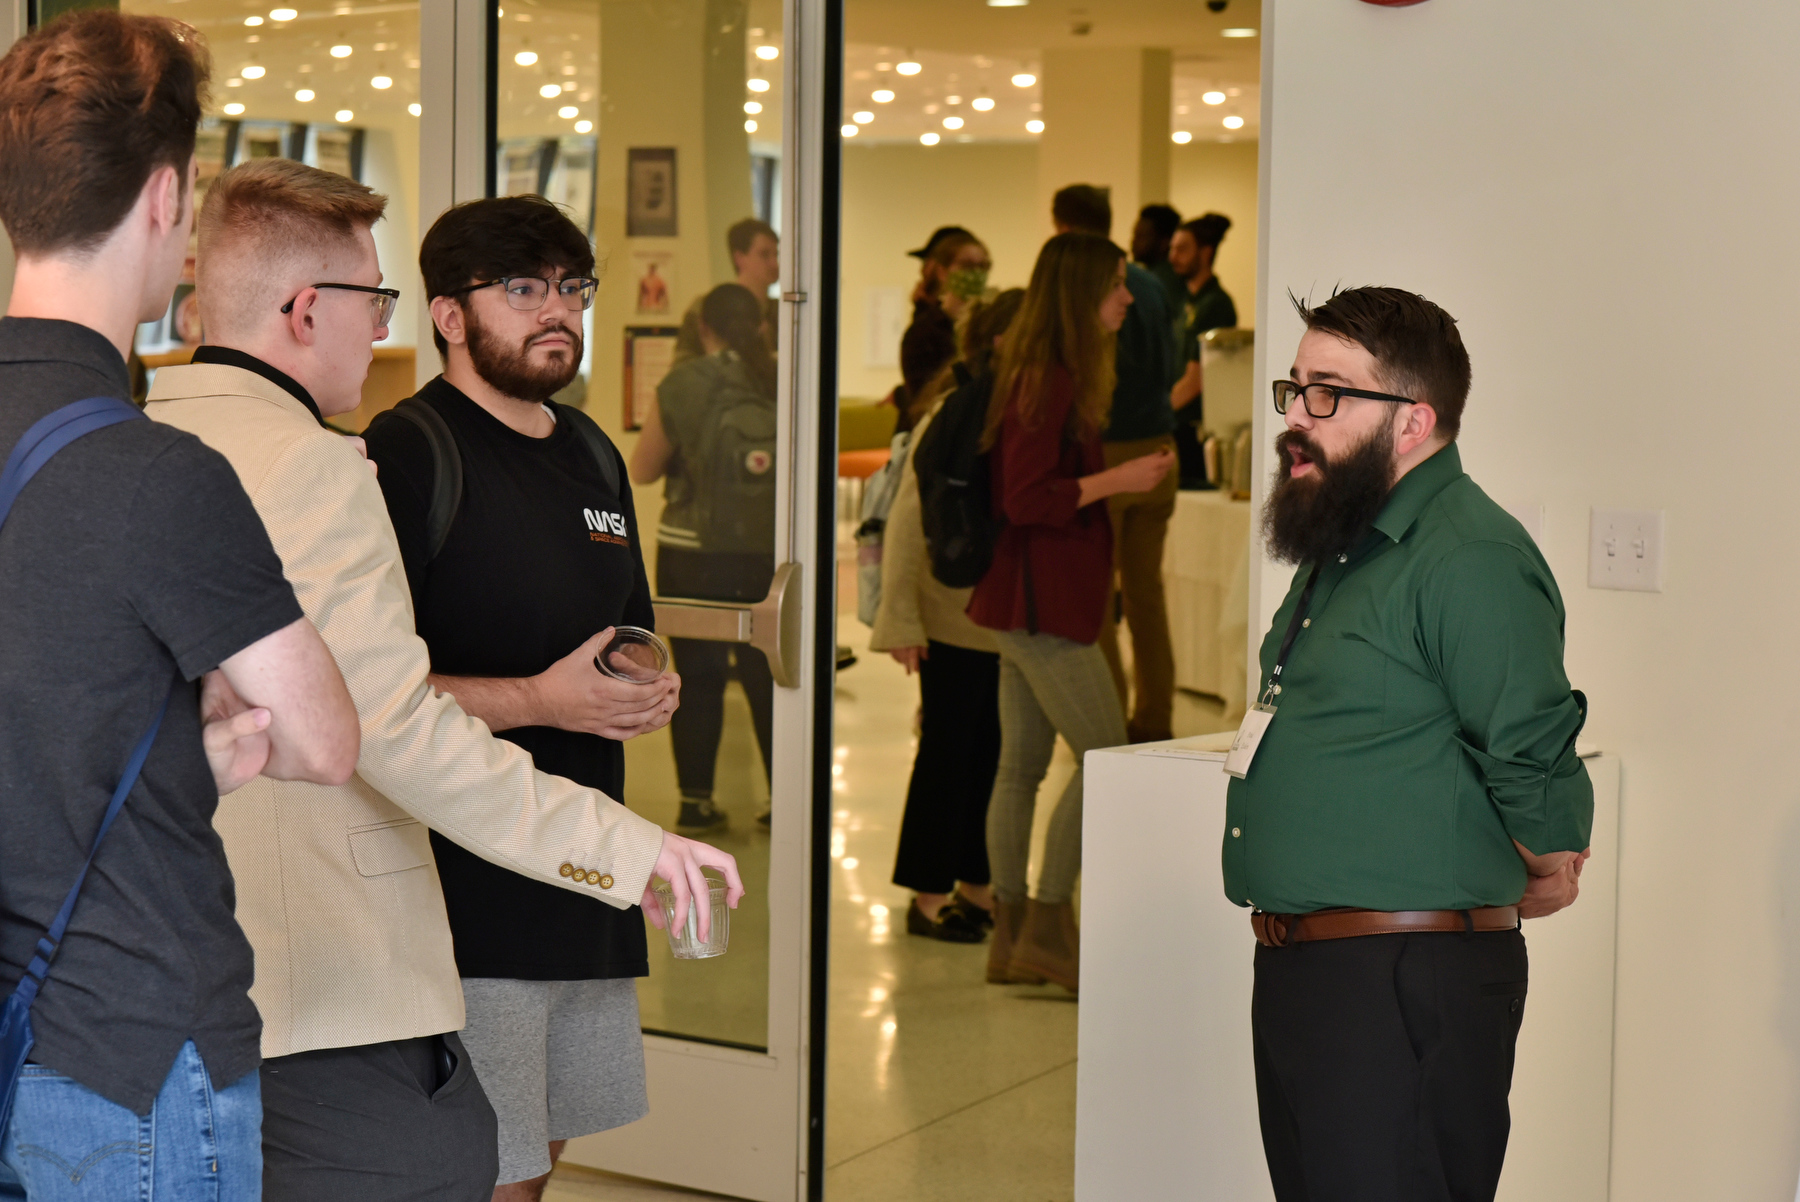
381, 300
530, 291
1321, 400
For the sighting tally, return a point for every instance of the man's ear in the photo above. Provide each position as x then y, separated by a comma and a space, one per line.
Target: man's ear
301, 322
447, 316
1418, 425
168, 199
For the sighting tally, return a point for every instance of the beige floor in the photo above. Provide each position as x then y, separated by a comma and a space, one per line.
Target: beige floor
939, 1085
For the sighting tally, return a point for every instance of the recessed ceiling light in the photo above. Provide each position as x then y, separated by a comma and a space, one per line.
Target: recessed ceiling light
953, 100
525, 58
752, 107
415, 108
953, 123
850, 131
550, 91
757, 85
1035, 126
232, 110
1024, 79
929, 139
253, 71
1212, 98
908, 68
584, 127
768, 53
1234, 122
344, 116
881, 95
304, 95
931, 108
1237, 33
1181, 137
862, 117
340, 51
884, 66
253, 22
381, 83
982, 103
1007, 3
749, 127
283, 14
234, 83
568, 112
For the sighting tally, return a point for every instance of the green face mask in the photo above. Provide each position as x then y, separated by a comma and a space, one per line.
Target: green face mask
968, 283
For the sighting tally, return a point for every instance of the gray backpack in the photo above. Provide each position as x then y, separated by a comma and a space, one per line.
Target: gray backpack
733, 470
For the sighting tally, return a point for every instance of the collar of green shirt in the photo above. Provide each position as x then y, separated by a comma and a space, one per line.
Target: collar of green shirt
1415, 490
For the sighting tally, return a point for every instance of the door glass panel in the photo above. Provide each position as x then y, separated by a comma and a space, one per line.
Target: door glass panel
337, 87
656, 124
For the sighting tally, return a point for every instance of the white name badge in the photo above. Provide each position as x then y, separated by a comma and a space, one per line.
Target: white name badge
1249, 738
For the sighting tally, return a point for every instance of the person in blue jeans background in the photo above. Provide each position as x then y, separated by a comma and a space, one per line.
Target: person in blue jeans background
132, 569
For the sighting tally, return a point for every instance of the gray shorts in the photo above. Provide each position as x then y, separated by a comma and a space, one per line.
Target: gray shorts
558, 1059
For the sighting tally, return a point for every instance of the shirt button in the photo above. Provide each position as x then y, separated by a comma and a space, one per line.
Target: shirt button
1235, 832
1343, 559
567, 870
1306, 622
606, 881
580, 875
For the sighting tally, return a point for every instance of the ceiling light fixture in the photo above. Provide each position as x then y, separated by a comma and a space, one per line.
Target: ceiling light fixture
1007, 3
1024, 79
862, 117
881, 95
304, 95
568, 112
344, 116
1034, 126
752, 107
1234, 122
584, 127
929, 139
982, 103
381, 83
907, 68
953, 123
749, 127
526, 58
757, 85
550, 91
234, 83
850, 131
232, 110
1181, 137
283, 14
768, 53
253, 71
340, 51
1237, 33
415, 108
1212, 98
253, 22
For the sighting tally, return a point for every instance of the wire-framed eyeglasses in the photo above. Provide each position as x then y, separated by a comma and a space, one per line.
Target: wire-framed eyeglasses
381, 300
530, 291
1321, 400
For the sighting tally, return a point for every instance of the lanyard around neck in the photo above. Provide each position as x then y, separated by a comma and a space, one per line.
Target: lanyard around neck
1287, 640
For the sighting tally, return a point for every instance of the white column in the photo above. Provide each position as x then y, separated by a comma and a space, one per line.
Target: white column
1106, 123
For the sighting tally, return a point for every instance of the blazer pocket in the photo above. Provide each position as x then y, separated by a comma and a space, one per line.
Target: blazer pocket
390, 847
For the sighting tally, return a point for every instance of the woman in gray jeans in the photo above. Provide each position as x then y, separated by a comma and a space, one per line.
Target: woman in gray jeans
1046, 593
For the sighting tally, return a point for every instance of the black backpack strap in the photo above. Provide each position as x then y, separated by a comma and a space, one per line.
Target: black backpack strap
446, 475
606, 456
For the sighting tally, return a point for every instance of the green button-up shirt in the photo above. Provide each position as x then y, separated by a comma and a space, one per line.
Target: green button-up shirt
1424, 720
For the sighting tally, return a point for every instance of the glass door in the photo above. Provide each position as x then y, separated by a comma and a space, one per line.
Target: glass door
688, 138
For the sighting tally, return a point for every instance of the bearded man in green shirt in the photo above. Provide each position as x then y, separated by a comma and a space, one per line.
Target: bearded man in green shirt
1408, 789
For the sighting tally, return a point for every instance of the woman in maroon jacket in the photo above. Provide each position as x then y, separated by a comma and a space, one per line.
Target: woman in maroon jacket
1045, 596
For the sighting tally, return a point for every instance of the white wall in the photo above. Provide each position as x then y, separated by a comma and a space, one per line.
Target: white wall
1620, 246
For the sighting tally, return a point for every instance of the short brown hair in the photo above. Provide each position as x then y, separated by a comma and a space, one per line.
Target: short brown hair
263, 215
1415, 345
90, 106
481, 240
742, 235
1084, 209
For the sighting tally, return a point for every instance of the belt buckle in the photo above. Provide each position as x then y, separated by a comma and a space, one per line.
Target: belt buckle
1271, 930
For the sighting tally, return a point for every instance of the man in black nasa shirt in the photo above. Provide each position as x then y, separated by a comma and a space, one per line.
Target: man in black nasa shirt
539, 560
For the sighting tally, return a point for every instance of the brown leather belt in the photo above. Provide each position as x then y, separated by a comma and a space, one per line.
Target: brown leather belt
1280, 930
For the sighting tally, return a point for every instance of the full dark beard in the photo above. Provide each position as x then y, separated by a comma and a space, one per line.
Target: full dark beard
509, 370
1324, 513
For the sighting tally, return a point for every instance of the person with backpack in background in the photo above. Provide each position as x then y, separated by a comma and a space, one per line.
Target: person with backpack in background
154, 655
540, 551
711, 439
1047, 589
942, 854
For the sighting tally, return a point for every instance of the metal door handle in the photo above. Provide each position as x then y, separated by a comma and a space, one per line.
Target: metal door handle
771, 625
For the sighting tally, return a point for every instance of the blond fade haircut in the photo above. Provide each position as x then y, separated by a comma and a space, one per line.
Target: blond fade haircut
270, 228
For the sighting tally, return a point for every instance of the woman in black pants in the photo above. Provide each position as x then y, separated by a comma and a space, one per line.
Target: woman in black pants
712, 437
942, 855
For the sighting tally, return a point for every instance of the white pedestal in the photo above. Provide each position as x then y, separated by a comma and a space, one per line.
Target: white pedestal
1166, 1095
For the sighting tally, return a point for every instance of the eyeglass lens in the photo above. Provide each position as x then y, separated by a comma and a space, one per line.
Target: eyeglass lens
529, 292
1320, 399
383, 306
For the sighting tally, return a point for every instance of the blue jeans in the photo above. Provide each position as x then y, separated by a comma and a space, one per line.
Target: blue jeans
66, 1143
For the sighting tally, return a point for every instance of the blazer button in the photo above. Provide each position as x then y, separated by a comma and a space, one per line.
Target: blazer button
606, 881
581, 876
567, 870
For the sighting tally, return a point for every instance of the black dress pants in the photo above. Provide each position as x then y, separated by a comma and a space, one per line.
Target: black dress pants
1383, 1064
943, 835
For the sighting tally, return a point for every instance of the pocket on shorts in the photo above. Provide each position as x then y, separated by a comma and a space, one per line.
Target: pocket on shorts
387, 847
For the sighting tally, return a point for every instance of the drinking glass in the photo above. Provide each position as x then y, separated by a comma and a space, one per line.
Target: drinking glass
685, 943
633, 654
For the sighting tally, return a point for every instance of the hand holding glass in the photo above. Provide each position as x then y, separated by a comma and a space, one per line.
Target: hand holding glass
633, 654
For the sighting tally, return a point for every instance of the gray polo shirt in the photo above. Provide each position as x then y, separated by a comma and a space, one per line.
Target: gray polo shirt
132, 559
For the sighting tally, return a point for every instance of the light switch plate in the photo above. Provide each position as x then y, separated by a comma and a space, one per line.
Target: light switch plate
1625, 550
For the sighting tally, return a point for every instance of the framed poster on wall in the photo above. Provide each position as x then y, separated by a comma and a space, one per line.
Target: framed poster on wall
650, 193
649, 354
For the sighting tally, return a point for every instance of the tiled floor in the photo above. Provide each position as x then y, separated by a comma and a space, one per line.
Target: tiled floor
939, 1086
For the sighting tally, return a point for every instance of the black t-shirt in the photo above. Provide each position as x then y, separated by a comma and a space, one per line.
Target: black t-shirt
132, 556
540, 558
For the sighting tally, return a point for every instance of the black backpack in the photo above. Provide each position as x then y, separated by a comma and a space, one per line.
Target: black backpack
446, 460
954, 498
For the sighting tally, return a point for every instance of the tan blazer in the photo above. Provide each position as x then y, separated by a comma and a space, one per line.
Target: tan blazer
336, 887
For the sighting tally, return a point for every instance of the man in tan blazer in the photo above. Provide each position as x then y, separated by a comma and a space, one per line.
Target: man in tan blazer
367, 1091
